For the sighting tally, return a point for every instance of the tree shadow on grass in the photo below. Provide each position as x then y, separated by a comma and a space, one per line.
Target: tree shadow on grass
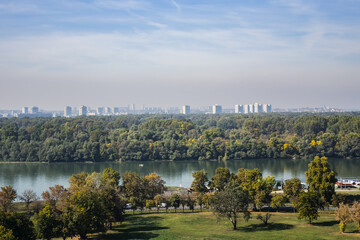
137, 228
325, 224
268, 227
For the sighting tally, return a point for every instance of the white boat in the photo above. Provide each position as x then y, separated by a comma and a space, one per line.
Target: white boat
348, 183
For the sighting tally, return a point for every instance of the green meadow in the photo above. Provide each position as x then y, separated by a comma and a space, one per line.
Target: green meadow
204, 225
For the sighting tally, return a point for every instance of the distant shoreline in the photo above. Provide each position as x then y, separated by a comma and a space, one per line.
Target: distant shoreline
193, 160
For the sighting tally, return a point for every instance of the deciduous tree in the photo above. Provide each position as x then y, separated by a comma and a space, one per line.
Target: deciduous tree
292, 188
28, 197
7, 196
221, 177
321, 179
277, 201
355, 214
343, 215
200, 181
175, 200
47, 223
6, 234
229, 202
308, 205
153, 185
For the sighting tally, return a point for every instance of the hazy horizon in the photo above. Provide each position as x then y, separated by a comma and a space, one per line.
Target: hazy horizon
289, 53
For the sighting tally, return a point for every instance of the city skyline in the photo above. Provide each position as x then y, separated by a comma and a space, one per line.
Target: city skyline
71, 111
166, 53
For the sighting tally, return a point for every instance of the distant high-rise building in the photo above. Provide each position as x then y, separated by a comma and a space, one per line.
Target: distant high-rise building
258, 108
116, 110
132, 108
67, 111
217, 109
34, 110
108, 110
100, 111
246, 108
186, 109
25, 110
251, 108
239, 108
267, 108
83, 111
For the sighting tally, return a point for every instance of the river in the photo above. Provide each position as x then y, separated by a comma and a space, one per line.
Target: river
40, 176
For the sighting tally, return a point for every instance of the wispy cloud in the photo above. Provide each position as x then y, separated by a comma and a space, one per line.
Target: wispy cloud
19, 8
127, 4
178, 7
221, 43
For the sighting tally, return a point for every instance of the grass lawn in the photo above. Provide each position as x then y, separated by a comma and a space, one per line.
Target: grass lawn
204, 225
349, 191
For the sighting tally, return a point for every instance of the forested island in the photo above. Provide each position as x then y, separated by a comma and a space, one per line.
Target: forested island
179, 137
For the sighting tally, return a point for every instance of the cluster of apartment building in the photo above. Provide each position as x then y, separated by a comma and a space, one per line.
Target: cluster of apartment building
247, 108
253, 108
108, 111
69, 111
99, 111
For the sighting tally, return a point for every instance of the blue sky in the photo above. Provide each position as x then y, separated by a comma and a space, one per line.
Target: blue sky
290, 53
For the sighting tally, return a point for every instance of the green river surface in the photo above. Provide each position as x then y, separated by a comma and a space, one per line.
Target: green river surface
40, 176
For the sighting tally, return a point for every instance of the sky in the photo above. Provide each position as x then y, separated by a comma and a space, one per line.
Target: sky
289, 53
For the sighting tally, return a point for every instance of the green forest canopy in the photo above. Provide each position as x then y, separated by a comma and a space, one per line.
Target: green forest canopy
179, 137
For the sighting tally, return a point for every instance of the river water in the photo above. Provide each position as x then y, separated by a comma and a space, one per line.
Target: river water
40, 176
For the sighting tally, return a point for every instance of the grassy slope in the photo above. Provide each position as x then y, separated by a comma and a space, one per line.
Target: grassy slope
205, 226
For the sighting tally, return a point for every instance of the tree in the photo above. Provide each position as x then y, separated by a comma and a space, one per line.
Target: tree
167, 203
175, 200
257, 187
158, 199
292, 188
132, 185
153, 185
190, 203
206, 199
57, 196
6, 234
150, 204
337, 199
110, 177
86, 212
183, 201
200, 200
277, 201
47, 223
134, 201
308, 205
260, 199
343, 215
7, 196
200, 180
77, 181
355, 214
321, 178
264, 218
229, 202
20, 225
221, 177
28, 197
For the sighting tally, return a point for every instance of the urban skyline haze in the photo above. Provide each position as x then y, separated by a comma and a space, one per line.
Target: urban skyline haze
289, 53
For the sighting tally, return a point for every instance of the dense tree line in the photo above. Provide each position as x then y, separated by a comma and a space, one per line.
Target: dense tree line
176, 137
92, 203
